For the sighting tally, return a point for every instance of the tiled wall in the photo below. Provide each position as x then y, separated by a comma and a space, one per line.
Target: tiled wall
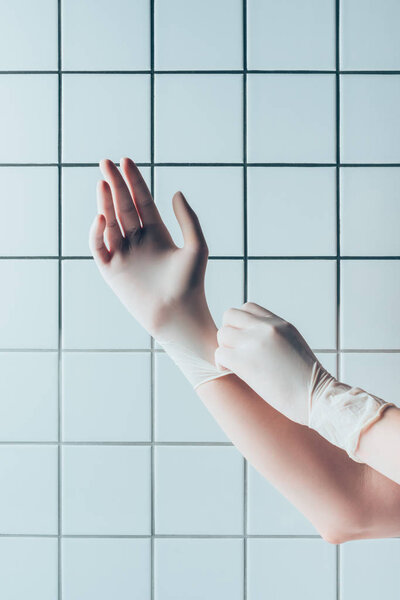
280, 122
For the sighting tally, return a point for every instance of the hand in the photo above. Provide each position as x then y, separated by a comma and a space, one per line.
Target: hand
270, 355
156, 281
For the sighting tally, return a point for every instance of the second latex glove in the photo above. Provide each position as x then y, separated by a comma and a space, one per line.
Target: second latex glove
273, 358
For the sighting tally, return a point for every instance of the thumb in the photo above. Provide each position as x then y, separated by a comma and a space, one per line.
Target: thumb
193, 236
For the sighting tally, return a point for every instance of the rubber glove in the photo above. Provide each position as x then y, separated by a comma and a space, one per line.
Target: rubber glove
273, 358
160, 284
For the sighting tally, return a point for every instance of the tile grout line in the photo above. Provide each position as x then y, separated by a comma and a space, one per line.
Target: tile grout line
152, 354
202, 72
245, 271
338, 249
59, 374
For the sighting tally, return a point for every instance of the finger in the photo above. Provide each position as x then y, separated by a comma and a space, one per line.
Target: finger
123, 203
142, 197
229, 337
257, 310
96, 240
193, 236
224, 358
105, 206
236, 317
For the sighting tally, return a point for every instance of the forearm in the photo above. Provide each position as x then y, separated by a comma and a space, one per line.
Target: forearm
379, 445
343, 499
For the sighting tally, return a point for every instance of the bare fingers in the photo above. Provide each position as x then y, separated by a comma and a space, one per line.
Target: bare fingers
124, 206
105, 206
96, 240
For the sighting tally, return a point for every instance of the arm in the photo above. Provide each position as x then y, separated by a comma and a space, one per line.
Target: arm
162, 286
379, 445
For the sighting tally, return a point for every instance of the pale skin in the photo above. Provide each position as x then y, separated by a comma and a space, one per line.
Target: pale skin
343, 499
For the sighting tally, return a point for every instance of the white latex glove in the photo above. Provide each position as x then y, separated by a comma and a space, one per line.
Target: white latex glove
160, 284
273, 358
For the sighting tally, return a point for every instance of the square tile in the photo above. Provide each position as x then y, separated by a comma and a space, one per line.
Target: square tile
270, 513
370, 570
93, 317
106, 490
369, 118
102, 38
28, 568
291, 211
199, 118
291, 35
29, 304
285, 569
199, 568
377, 373
28, 106
30, 201
28, 480
28, 396
106, 396
216, 194
328, 361
220, 297
79, 206
366, 20
187, 38
29, 35
300, 291
291, 118
174, 396
199, 490
105, 568
106, 116
370, 211
370, 293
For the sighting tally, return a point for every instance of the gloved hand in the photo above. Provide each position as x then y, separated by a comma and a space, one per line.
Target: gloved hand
273, 358
160, 284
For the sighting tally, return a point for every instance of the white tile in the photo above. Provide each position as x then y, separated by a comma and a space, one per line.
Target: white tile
174, 396
198, 35
28, 396
79, 206
224, 286
28, 483
106, 490
106, 396
29, 304
93, 317
377, 373
199, 490
110, 37
28, 568
370, 293
106, 116
199, 568
198, 118
370, 570
369, 35
270, 513
291, 211
291, 118
300, 291
28, 118
105, 568
216, 194
28, 35
29, 200
370, 211
291, 35
288, 569
369, 119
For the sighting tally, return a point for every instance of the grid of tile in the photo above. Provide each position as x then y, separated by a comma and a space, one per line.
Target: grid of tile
112, 491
